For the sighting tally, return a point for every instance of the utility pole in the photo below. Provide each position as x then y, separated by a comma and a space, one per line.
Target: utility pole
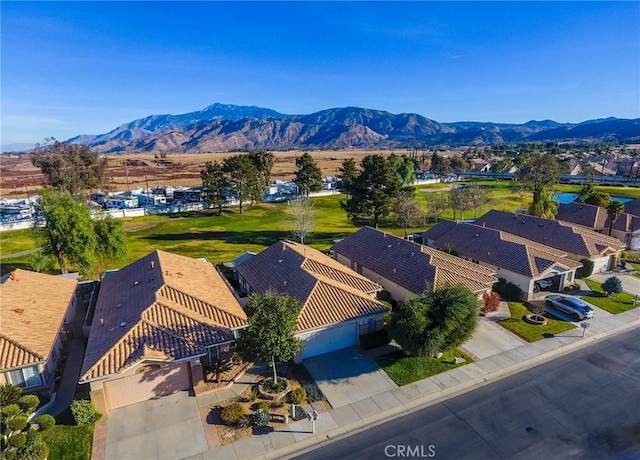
147, 194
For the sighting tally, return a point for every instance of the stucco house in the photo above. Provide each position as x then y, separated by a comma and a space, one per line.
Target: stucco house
517, 260
625, 228
338, 304
404, 268
577, 241
156, 322
33, 312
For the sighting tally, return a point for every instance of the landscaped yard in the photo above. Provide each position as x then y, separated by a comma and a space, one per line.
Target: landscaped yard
531, 332
404, 368
615, 304
69, 442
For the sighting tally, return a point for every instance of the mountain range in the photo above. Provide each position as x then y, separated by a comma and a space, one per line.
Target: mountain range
222, 127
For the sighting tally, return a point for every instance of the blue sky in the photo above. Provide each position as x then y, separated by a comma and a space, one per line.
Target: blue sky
85, 68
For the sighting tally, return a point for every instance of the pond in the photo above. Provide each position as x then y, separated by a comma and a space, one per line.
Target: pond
566, 197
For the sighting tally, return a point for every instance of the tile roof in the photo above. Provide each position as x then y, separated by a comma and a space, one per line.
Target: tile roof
559, 235
329, 291
162, 306
412, 265
633, 207
501, 249
596, 217
32, 309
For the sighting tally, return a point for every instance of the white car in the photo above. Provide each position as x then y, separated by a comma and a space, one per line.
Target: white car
571, 305
542, 284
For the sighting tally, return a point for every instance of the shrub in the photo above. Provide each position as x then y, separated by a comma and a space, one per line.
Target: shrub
507, 290
277, 404
84, 412
490, 302
313, 392
17, 423
28, 403
612, 285
264, 405
45, 422
375, 339
252, 395
232, 413
261, 418
244, 421
9, 394
586, 270
18, 440
274, 388
298, 396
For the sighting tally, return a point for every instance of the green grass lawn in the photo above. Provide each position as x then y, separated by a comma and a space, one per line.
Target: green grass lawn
69, 442
16, 241
532, 332
615, 304
404, 368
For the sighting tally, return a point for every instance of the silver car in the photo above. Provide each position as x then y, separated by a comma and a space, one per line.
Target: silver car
571, 305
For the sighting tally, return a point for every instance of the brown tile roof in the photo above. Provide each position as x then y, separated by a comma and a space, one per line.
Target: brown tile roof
411, 265
32, 309
501, 249
596, 217
559, 235
162, 306
329, 291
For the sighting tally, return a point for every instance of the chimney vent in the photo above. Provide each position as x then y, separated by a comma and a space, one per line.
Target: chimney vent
13, 275
101, 322
153, 264
123, 324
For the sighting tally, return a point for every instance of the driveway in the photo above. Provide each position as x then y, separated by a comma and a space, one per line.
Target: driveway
491, 339
166, 428
346, 376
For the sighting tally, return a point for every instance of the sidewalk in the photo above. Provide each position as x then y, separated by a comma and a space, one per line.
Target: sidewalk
296, 438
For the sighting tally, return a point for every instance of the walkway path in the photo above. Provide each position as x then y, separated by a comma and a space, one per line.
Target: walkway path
20, 253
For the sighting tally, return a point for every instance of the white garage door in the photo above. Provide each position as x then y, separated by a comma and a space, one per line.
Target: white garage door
148, 382
331, 339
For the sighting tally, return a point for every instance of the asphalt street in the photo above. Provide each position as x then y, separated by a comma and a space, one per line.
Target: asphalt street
584, 405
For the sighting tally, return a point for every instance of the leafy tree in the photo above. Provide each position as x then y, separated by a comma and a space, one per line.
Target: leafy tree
407, 212
20, 439
612, 285
439, 165
9, 394
70, 167
435, 320
308, 176
68, 234
374, 192
263, 162
270, 335
614, 210
437, 205
84, 412
404, 167
538, 174
111, 241
214, 184
242, 175
302, 211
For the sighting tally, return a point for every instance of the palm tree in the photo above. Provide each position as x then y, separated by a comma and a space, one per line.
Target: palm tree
614, 210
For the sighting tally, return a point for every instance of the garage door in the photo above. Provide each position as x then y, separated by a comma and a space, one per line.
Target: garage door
148, 382
331, 339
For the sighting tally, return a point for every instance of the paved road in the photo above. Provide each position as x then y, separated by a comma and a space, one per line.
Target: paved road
583, 405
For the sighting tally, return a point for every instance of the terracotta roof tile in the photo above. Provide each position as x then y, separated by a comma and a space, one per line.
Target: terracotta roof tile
32, 310
595, 217
164, 305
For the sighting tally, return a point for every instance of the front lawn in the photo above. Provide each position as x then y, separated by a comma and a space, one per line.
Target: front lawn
69, 442
532, 332
404, 368
615, 304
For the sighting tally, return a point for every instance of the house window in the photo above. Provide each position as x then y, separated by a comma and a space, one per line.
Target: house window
26, 377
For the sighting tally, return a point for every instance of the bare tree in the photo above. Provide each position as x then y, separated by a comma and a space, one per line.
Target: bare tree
302, 211
477, 196
437, 205
408, 212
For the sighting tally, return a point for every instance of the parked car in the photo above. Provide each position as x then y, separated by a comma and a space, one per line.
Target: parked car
571, 305
542, 285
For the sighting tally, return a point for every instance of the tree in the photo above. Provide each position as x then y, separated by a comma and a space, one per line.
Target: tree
111, 241
612, 285
270, 335
439, 165
70, 167
348, 175
242, 175
477, 197
437, 205
214, 185
68, 234
614, 210
459, 200
302, 212
435, 320
20, 438
490, 302
263, 163
308, 176
374, 192
404, 167
538, 174
407, 212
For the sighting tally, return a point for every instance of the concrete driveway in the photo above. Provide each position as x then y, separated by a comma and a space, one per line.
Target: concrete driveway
348, 375
166, 429
491, 339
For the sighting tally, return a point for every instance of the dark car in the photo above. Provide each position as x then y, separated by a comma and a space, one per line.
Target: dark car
570, 305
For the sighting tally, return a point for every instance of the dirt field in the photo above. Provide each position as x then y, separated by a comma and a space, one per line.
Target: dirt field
19, 178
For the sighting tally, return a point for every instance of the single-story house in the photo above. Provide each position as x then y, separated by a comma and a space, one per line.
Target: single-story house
632, 207
406, 269
519, 261
577, 241
338, 304
34, 310
156, 322
626, 227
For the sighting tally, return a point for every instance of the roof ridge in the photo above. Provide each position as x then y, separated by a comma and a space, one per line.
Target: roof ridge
19, 345
318, 275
